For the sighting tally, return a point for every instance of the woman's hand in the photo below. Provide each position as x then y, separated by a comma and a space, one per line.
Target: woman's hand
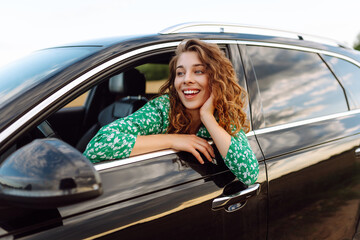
208, 107
192, 144
221, 138
181, 142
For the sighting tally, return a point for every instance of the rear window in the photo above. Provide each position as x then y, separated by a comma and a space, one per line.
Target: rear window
349, 76
16, 78
295, 85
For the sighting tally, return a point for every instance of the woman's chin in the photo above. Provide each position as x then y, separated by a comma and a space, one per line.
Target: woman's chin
192, 106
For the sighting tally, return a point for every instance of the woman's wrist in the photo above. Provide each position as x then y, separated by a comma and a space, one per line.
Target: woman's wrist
169, 139
220, 137
206, 117
149, 143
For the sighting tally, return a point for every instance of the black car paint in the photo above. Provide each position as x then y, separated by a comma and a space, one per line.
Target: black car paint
313, 173
179, 205
166, 197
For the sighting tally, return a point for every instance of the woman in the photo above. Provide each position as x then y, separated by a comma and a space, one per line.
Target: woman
200, 100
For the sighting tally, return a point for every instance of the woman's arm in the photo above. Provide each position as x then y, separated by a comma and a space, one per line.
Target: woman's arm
143, 132
221, 138
116, 140
236, 151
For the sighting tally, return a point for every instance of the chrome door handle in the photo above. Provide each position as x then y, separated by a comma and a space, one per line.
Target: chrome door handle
233, 202
357, 152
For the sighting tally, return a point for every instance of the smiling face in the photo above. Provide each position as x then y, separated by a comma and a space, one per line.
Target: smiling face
191, 81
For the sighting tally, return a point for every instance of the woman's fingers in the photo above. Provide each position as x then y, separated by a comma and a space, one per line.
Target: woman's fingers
202, 146
208, 147
197, 155
194, 145
204, 151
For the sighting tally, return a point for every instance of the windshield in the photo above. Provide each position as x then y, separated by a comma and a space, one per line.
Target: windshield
16, 78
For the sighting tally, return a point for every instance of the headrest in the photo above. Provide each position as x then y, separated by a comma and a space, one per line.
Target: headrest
131, 83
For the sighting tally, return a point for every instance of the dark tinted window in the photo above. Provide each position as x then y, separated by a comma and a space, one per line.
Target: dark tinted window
295, 85
349, 76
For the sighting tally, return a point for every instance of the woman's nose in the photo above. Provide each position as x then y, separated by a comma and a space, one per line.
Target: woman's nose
188, 78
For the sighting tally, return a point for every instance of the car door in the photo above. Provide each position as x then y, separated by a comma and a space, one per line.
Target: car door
175, 194
158, 197
162, 195
309, 140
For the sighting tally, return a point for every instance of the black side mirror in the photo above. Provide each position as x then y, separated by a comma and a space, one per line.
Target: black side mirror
48, 173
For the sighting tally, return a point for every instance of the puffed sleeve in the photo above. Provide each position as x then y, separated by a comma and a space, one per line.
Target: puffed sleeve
116, 140
241, 160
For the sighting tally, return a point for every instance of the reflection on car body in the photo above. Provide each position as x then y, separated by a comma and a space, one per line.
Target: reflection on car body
304, 109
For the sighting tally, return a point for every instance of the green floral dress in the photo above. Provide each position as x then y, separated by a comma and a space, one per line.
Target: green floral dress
116, 140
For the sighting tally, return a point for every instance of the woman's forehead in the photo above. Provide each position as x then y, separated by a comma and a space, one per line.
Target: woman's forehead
189, 59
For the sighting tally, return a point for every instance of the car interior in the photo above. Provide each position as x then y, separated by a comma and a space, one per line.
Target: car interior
116, 96
130, 83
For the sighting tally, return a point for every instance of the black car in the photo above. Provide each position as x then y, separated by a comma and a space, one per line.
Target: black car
304, 109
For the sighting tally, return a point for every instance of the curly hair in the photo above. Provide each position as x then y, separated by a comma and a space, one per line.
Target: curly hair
229, 97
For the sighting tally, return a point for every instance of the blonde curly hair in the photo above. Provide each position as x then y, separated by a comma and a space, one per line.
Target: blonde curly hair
229, 97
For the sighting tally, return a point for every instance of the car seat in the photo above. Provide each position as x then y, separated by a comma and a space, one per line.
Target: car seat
130, 83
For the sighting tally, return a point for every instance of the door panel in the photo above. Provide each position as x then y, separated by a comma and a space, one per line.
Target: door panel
282, 141
249, 222
313, 189
159, 197
168, 197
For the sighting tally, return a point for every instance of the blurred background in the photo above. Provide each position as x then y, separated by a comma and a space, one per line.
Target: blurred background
26, 26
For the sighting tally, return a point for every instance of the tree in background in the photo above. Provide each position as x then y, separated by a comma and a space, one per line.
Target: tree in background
357, 43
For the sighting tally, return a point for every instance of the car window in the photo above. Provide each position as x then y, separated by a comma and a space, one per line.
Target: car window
156, 75
36, 68
79, 101
349, 76
295, 85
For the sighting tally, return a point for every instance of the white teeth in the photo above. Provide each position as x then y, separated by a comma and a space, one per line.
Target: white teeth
191, 91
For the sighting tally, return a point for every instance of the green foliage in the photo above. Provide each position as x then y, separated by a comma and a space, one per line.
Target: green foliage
357, 43
153, 71
357, 47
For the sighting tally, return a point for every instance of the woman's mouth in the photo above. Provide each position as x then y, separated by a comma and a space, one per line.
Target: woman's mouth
190, 93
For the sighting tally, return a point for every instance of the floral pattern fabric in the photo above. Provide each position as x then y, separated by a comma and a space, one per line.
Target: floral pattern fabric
116, 140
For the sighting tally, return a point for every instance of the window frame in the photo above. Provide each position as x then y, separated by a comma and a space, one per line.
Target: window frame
353, 104
231, 51
297, 66
253, 88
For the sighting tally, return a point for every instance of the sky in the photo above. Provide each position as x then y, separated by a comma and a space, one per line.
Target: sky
26, 26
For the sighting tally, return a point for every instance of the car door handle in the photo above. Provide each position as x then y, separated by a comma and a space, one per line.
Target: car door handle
234, 201
357, 153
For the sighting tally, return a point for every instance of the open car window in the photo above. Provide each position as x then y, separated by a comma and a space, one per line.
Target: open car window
76, 126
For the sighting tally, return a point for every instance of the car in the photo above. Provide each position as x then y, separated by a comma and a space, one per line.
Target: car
304, 110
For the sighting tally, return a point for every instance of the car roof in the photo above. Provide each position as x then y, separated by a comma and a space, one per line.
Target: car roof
227, 31
102, 42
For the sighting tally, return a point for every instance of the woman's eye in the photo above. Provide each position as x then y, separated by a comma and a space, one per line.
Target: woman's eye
199, 72
179, 74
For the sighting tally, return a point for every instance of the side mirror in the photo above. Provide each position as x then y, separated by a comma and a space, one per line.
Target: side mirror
48, 173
